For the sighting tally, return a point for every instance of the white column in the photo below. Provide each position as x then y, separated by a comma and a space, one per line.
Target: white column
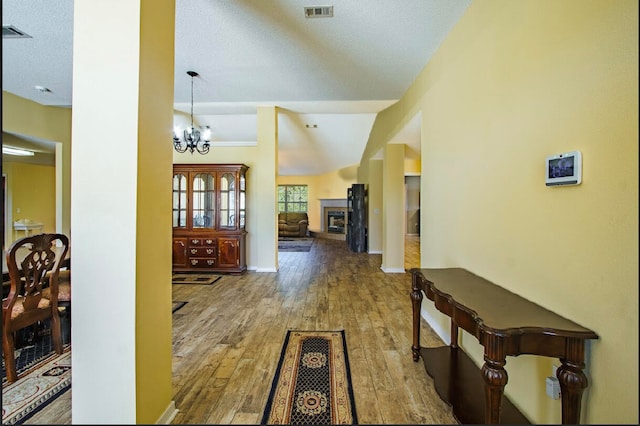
120, 210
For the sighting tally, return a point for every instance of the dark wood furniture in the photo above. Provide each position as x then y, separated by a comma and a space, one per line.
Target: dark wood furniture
33, 262
64, 265
209, 208
357, 218
505, 324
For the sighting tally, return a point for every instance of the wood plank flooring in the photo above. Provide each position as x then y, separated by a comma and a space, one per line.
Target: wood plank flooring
227, 338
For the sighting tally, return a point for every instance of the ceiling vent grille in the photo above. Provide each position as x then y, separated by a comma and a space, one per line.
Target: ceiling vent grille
318, 12
9, 31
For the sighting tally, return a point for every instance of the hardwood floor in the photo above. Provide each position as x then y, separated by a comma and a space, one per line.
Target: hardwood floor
227, 338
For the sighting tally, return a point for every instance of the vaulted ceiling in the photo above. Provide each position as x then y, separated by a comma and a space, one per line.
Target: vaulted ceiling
331, 73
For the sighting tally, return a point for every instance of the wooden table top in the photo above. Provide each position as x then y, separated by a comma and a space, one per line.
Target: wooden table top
494, 306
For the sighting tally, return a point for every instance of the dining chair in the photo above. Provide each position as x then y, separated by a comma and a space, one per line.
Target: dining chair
33, 262
64, 302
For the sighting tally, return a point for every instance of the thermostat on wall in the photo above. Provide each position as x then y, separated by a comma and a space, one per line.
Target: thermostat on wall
564, 169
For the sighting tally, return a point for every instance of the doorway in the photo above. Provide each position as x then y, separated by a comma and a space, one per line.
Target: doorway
412, 207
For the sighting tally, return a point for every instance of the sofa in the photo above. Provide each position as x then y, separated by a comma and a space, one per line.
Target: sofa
292, 224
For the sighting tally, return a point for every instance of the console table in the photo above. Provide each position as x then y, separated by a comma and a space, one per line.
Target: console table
504, 324
28, 228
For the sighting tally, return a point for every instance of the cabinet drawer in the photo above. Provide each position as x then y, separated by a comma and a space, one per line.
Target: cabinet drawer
195, 242
200, 262
201, 251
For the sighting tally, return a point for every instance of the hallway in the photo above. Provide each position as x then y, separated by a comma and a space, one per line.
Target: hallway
227, 338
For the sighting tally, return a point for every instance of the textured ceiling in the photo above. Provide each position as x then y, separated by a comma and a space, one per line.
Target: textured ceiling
336, 73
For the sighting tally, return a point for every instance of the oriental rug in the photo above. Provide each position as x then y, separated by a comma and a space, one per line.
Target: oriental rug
36, 388
312, 384
204, 279
34, 345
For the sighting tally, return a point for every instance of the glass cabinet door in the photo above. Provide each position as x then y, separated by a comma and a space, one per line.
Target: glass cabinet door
242, 200
179, 201
227, 201
204, 206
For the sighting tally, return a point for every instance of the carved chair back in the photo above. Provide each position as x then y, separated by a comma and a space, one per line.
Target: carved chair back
33, 263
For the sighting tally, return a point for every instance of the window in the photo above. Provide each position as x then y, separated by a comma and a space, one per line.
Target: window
292, 198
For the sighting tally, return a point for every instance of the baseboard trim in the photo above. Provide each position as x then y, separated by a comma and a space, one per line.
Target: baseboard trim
393, 270
375, 251
169, 414
266, 269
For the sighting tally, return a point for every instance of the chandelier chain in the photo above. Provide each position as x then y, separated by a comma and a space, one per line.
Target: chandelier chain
191, 139
192, 102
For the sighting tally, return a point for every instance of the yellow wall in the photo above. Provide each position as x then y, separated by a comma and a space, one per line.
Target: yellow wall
375, 204
153, 248
412, 166
21, 116
514, 82
31, 189
393, 208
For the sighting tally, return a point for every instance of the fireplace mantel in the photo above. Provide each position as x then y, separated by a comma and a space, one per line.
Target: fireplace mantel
328, 203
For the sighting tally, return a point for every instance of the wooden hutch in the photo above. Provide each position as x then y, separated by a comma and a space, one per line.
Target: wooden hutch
209, 206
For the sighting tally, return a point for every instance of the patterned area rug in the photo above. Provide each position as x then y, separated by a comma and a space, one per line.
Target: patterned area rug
312, 384
30, 355
35, 345
295, 244
203, 279
36, 388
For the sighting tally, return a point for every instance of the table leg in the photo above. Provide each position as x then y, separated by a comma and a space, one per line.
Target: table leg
572, 380
454, 334
495, 378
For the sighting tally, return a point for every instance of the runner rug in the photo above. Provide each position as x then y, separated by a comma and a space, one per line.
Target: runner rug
312, 384
36, 388
204, 279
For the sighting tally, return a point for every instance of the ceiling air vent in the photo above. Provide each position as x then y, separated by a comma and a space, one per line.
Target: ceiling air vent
9, 31
318, 12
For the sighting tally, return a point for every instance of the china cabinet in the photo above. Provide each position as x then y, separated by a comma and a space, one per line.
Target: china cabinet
209, 207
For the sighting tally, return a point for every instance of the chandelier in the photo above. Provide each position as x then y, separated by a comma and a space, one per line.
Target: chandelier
191, 140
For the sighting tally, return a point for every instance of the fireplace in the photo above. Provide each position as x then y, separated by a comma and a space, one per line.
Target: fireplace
336, 220
333, 219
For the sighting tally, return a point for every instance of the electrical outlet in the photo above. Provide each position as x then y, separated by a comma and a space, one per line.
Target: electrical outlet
553, 387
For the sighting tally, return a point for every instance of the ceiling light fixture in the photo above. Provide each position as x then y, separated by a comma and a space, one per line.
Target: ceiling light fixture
17, 151
42, 89
191, 140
